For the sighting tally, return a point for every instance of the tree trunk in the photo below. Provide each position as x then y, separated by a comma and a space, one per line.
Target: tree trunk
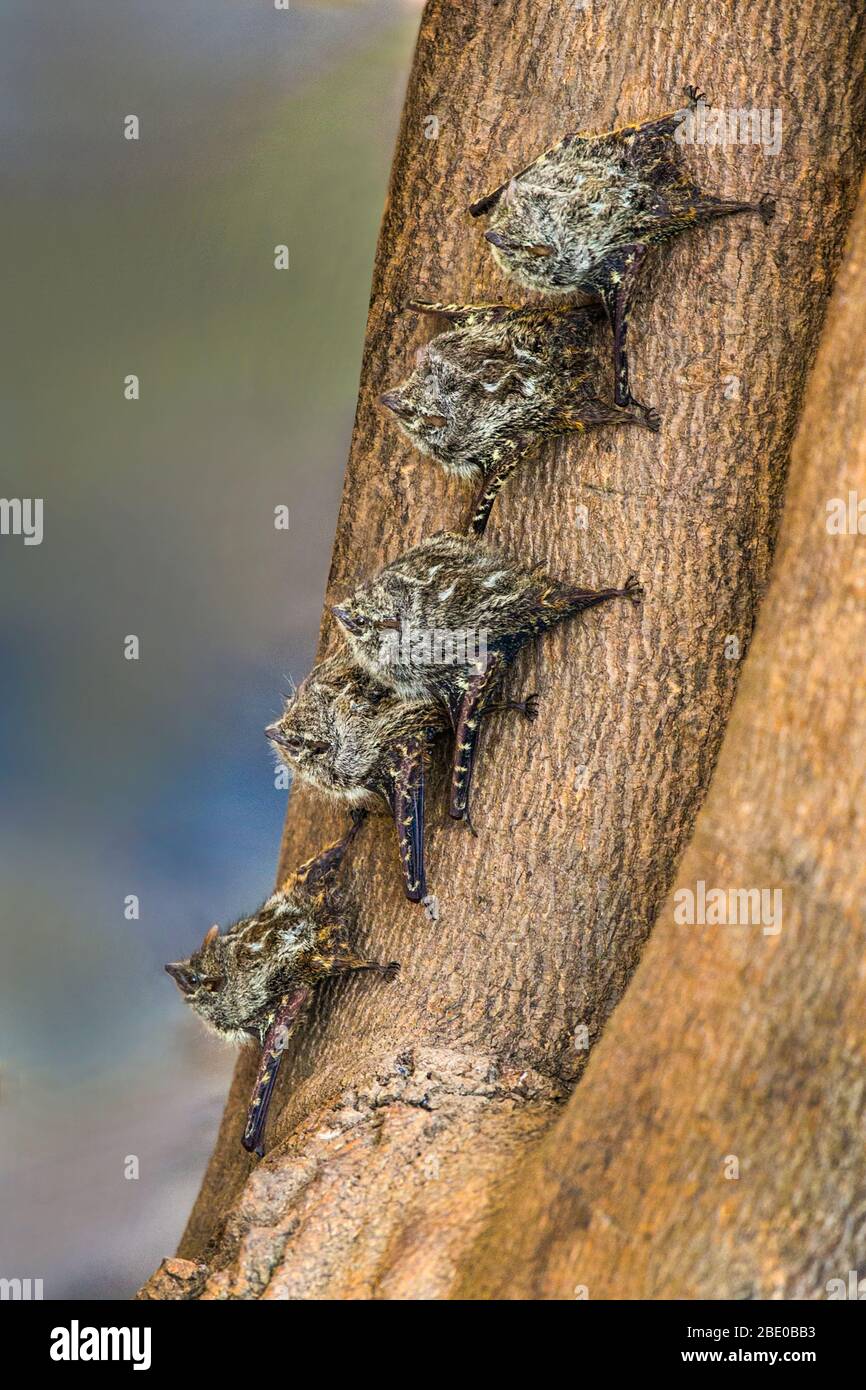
715, 1146
405, 1107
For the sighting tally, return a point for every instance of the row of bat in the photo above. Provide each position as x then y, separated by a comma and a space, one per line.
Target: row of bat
360, 727
428, 639
580, 220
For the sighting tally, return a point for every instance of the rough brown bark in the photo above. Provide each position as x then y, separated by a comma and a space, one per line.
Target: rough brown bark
403, 1106
730, 1041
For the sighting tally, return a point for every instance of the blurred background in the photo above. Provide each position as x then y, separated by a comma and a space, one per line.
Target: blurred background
152, 777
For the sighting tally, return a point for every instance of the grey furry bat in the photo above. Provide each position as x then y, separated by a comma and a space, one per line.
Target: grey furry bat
585, 213
485, 394
257, 979
421, 623
358, 741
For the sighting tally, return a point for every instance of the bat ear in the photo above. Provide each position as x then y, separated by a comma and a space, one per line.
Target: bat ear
210, 935
420, 355
509, 197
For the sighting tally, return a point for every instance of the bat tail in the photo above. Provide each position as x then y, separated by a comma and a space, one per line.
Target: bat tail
323, 867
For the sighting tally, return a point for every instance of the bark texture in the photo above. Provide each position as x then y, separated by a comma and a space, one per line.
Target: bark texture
403, 1106
732, 1043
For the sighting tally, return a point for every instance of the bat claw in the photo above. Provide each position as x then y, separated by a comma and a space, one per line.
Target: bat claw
641, 414
391, 970
530, 706
696, 95
766, 207
462, 815
633, 588
430, 905
253, 1143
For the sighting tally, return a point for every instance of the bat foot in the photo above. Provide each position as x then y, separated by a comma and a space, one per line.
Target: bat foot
390, 971
696, 95
529, 707
766, 209
641, 414
430, 905
462, 815
633, 589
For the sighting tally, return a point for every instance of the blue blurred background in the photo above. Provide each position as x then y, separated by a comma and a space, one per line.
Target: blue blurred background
152, 777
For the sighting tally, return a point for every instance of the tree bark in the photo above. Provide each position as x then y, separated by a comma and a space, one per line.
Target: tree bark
404, 1107
734, 1043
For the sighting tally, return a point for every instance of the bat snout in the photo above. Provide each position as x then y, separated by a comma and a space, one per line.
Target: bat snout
344, 618
496, 239
392, 400
181, 974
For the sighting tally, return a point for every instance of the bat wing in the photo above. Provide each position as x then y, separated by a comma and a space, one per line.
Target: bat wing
640, 136
555, 602
497, 469
489, 201
405, 795
477, 695
461, 314
273, 1047
322, 868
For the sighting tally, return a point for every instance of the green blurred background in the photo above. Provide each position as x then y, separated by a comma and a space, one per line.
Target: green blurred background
152, 777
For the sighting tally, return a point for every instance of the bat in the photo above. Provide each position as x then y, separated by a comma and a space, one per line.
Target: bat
583, 216
443, 621
257, 979
358, 741
486, 393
